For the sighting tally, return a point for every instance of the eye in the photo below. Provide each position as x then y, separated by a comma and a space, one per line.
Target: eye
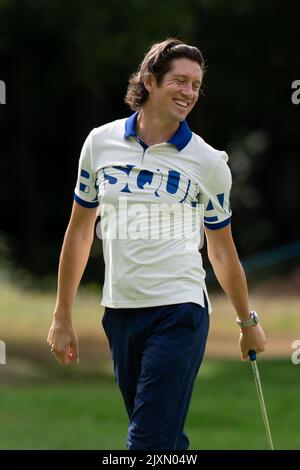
180, 81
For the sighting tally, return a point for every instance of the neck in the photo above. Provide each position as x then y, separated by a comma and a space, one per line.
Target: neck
153, 129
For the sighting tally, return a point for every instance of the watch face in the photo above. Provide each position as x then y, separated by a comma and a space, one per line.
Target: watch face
254, 318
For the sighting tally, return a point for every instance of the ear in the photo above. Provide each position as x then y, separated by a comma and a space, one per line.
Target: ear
148, 82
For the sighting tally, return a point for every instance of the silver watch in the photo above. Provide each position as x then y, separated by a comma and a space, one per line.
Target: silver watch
253, 320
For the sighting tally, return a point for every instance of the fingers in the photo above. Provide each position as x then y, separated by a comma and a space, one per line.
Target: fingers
49, 338
63, 343
244, 356
60, 355
252, 339
245, 353
73, 354
67, 355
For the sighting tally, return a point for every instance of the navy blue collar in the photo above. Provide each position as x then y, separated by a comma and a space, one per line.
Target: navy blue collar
180, 139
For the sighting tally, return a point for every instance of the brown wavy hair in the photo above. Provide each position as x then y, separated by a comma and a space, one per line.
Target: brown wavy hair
157, 62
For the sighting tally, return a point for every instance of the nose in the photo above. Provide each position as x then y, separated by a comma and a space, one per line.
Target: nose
187, 90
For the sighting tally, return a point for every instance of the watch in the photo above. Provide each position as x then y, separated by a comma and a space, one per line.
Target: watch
253, 320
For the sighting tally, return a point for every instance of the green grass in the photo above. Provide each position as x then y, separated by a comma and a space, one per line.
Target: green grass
225, 412
88, 413
44, 406
62, 416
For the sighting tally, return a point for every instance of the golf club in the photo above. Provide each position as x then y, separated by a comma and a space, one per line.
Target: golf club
252, 357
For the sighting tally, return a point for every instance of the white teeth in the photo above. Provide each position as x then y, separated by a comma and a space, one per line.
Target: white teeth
181, 103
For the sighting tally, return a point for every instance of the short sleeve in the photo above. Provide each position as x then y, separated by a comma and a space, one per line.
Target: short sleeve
86, 190
216, 195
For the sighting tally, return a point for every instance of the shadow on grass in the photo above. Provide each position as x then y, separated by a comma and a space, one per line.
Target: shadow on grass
33, 363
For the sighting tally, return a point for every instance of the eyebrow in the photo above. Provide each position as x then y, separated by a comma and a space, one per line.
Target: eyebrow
185, 76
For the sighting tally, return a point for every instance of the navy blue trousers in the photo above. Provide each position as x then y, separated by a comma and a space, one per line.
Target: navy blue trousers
157, 352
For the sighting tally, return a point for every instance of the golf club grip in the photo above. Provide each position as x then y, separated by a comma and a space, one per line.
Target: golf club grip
252, 355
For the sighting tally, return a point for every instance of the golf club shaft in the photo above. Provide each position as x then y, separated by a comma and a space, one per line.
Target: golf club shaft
262, 403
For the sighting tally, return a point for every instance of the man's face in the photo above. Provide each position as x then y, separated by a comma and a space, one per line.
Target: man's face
178, 91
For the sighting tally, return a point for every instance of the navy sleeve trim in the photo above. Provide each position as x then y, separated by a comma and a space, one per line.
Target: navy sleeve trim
219, 225
83, 203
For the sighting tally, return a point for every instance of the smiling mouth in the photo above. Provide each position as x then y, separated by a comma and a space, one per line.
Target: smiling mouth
181, 104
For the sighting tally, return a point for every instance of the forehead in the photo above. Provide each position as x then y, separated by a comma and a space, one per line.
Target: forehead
183, 66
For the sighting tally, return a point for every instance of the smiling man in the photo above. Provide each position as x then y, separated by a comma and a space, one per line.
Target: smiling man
156, 304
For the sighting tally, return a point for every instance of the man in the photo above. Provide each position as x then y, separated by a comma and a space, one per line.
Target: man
156, 305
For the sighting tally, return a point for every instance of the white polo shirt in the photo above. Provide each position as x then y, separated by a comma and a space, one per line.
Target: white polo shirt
153, 203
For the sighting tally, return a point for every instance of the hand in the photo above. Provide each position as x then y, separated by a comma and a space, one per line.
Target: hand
63, 342
252, 337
